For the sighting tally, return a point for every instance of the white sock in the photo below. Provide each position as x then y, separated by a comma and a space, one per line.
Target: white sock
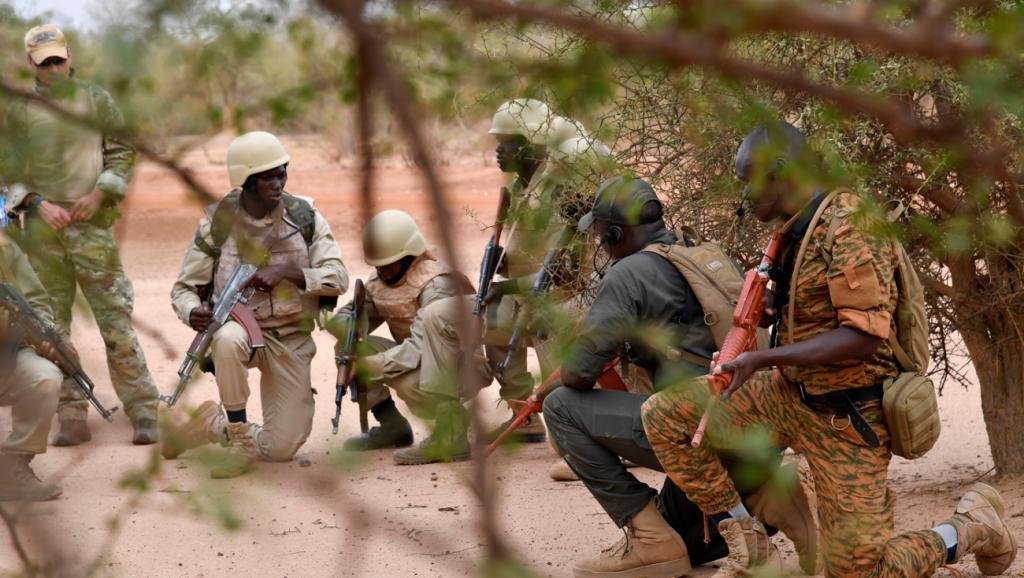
739, 512
948, 534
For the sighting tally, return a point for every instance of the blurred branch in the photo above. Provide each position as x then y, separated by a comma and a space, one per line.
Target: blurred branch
12, 528
202, 194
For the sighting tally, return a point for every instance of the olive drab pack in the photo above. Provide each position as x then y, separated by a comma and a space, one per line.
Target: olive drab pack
909, 402
714, 278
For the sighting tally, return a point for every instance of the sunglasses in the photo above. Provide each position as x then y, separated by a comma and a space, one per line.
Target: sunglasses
53, 61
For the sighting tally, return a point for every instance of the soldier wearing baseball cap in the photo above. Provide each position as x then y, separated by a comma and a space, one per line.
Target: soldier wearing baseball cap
68, 181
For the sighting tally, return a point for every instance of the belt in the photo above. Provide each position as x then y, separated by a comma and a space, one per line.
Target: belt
843, 404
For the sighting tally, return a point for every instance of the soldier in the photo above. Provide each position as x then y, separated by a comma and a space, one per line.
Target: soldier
642, 294
300, 270
408, 279
824, 377
29, 385
71, 181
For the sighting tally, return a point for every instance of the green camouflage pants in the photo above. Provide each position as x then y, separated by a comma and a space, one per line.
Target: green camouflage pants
84, 255
855, 506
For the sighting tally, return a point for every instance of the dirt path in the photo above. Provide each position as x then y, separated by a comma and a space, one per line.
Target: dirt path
315, 517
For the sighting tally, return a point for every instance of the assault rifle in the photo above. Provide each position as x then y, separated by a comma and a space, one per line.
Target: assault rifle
746, 320
541, 285
348, 374
230, 305
492, 255
38, 332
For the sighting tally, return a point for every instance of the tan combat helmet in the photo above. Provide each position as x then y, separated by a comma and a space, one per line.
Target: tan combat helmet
391, 235
563, 129
525, 117
252, 153
577, 157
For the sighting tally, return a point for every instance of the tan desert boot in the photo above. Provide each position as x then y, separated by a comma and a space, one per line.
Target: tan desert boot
182, 431
240, 456
531, 432
980, 530
791, 514
72, 433
561, 472
750, 548
18, 483
650, 549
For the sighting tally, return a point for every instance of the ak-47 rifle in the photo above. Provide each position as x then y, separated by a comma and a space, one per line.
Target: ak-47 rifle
230, 305
609, 379
541, 284
348, 374
39, 332
746, 320
492, 255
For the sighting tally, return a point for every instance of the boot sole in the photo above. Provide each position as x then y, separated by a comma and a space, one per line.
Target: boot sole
992, 496
670, 569
425, 460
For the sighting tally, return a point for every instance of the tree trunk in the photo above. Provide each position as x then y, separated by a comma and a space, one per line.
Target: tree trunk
998, 356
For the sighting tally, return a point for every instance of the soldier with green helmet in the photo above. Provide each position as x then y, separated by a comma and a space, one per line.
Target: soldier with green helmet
300, 271
69, 180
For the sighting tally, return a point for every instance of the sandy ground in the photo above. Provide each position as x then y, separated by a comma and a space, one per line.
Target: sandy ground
316, 516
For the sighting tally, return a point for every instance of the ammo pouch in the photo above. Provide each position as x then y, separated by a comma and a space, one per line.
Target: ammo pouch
912, 414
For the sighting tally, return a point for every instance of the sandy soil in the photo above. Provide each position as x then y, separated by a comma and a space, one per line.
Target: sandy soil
316, 516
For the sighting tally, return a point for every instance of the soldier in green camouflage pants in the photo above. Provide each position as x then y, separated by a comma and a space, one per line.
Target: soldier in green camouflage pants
68, 181
818, 391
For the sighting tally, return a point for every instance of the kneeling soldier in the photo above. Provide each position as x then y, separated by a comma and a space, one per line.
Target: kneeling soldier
299, 266
408, 279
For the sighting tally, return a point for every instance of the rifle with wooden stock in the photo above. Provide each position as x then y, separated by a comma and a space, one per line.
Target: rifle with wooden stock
38, 332
492, 256
348, 374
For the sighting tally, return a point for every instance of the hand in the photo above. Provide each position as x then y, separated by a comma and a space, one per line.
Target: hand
768, 319
86, 207
53, 215
498, 290
200, 317
270, 276
741, 368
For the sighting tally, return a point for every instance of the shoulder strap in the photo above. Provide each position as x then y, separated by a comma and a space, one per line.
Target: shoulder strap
302, 214
800, 258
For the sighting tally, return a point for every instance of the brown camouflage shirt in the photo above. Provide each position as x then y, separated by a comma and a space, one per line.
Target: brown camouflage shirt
855, 288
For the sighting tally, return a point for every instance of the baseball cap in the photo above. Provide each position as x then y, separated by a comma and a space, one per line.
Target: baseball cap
45, 41
619, 201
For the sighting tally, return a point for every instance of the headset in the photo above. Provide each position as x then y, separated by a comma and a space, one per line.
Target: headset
614, 236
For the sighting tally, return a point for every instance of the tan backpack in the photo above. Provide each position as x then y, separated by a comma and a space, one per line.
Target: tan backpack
910, 405
714, 279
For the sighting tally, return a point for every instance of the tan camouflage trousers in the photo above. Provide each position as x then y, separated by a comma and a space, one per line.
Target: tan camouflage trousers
855, 506
84, 255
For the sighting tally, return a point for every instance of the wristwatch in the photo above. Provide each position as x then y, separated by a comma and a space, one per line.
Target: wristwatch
33, 204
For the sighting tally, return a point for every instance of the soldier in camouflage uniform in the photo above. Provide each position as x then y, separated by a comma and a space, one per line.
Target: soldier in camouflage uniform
835, 348
70, 181
408, 279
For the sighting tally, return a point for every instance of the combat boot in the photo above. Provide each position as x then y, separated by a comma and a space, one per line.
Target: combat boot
183, 431
980, 530
561, 472
19, 483
448, 443
649, 549
750, 548
791, 513
72, 432
394, 431
531, 432
145, 432
240, 456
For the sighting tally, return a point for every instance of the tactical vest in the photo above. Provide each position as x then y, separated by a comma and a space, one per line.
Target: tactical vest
398, 304
275, 240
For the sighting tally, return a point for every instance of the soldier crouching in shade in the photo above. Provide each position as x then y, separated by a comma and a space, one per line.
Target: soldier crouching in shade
70, 181
299, 266
29, 385
825, 375
644, 293
408, 278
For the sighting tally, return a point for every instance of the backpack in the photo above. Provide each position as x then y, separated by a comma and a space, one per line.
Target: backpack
909, 402
715, 280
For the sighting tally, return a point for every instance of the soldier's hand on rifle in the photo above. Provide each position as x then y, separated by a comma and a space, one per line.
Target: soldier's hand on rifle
54, 215
742, 368
85, 207
200, 317
370, 367
500, 289
270, 276
768, 319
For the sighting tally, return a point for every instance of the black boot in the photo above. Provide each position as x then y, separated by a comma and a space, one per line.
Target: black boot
393, 432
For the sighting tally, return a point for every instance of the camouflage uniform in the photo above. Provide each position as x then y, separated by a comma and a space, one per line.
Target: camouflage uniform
62, 162
855, 507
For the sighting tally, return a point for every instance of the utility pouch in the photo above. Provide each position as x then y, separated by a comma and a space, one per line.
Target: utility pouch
912, 414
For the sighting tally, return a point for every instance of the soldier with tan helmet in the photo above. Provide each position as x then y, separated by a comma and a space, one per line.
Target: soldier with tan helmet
300, 272
407, 279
